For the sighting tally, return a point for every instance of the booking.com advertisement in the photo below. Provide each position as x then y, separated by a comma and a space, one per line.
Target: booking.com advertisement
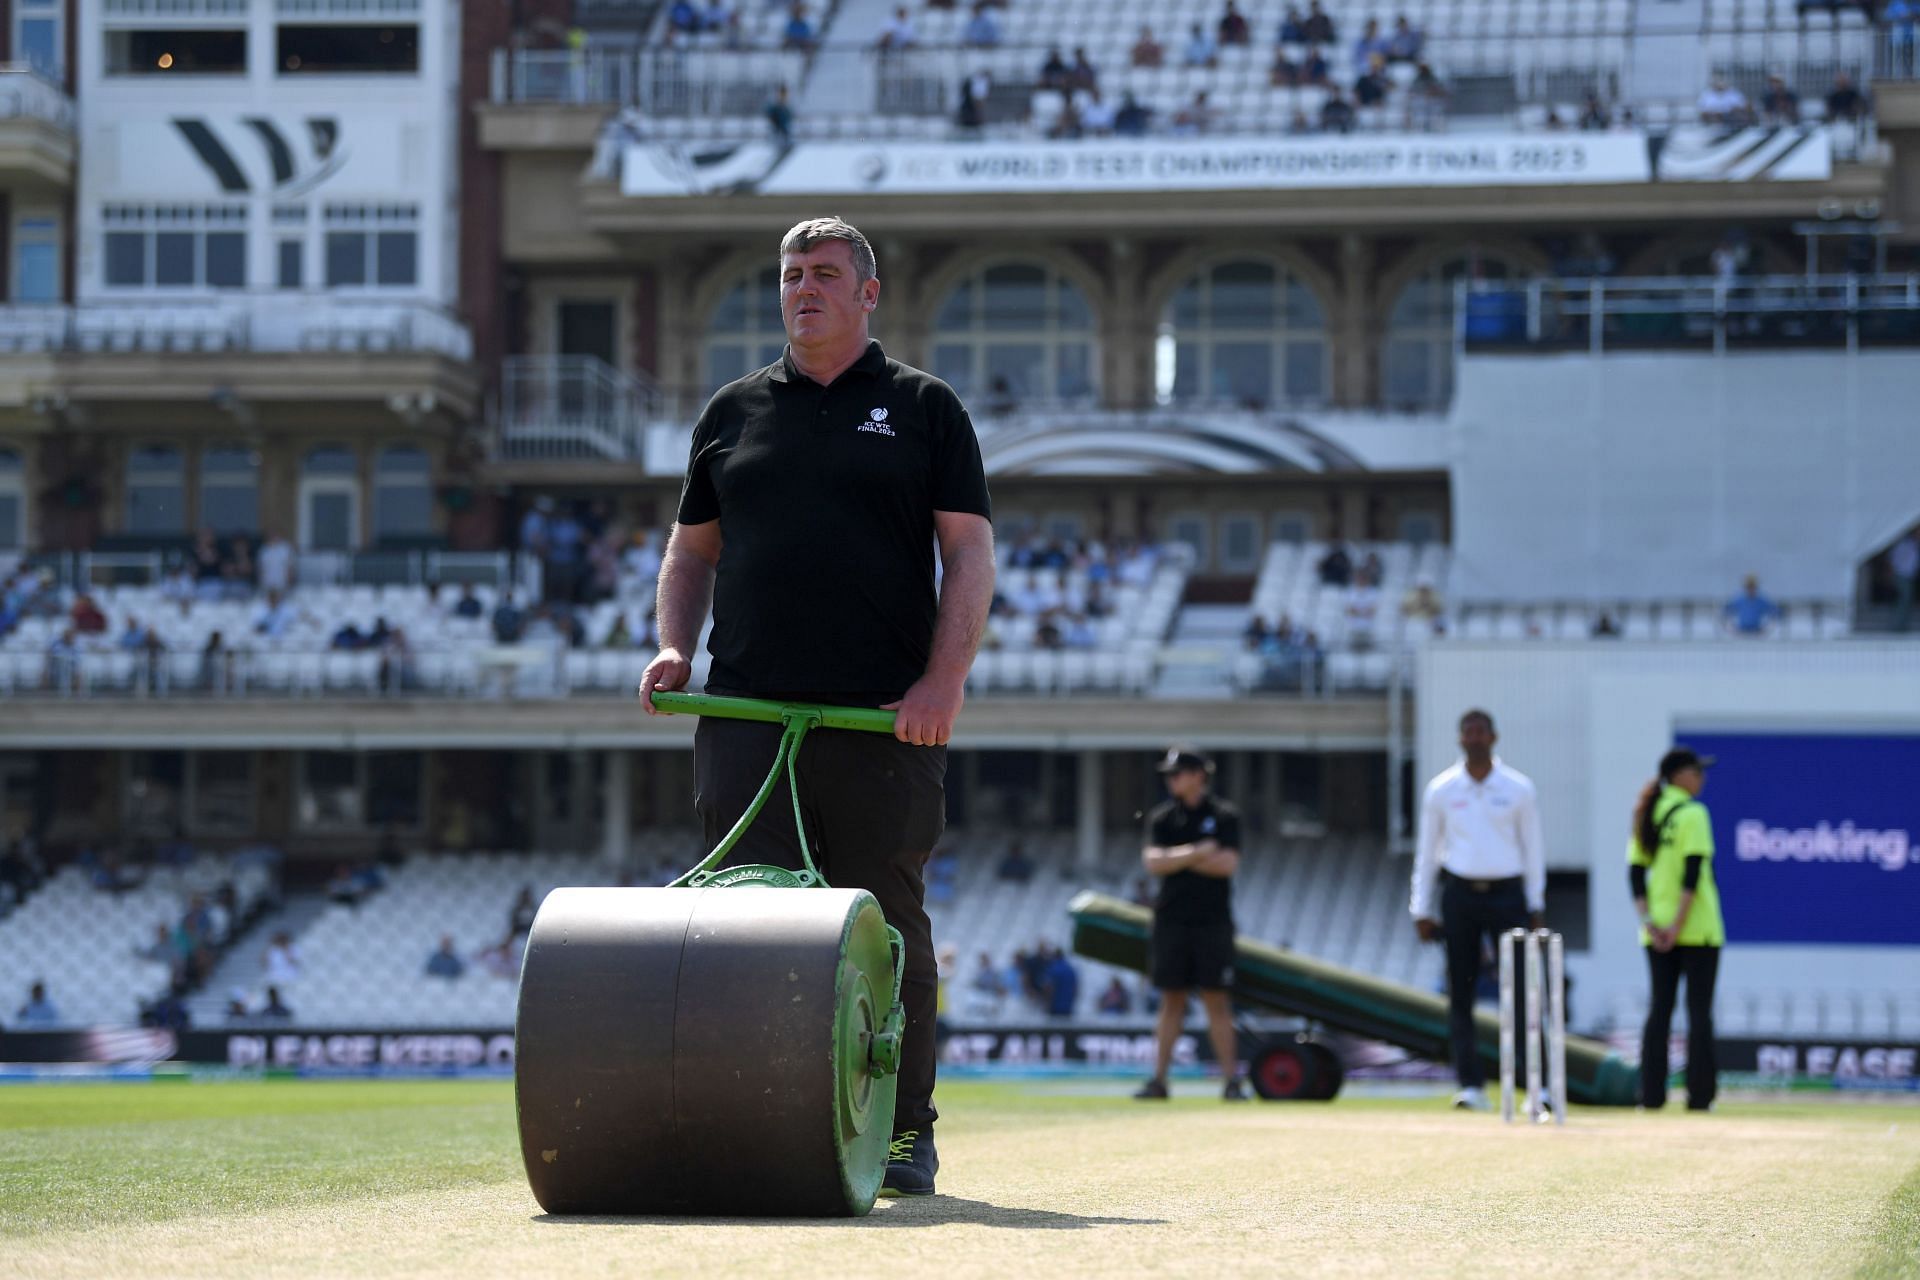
1814, 836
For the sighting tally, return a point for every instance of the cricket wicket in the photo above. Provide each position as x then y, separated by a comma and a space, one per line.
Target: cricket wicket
1545, 986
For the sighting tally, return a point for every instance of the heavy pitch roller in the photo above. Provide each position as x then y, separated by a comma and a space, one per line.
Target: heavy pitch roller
713, 1047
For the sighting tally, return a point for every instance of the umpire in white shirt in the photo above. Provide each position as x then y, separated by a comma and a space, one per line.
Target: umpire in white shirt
1479, 855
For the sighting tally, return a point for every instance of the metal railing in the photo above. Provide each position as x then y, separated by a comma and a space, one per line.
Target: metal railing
26, 94
656, 81
1693, 312
1896, 52
277, 323
88, 570
558, 407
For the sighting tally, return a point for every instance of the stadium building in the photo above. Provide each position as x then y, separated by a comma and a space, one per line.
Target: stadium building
1489, 378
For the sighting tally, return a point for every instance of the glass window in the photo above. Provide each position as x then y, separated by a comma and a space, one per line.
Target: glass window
349, 50
393, 789
744, 332
13, 501
226, 259
156, 785
1247, 333
127, 258
1416, 369
291, 274
156, 490
1018, 332
173, 258
402, 494
346, 258
329, 499
329, 792
223, 793
331, 460
230, 489
36, 272
394, 257
179, 52
37, 31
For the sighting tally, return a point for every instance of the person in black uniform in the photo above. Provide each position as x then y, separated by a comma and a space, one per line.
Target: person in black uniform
815, 491
1193, 847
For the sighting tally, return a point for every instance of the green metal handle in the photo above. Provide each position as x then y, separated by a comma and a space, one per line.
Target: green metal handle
866, 719
796, 719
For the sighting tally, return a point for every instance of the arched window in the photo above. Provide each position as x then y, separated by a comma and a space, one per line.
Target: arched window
744, 332
156, 490
230, 489
13, 501
1247, 333
1017, 331
330, 499
402, 494
1416, 369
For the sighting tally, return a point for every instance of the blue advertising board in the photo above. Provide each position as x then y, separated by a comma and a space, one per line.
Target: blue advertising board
1815, 836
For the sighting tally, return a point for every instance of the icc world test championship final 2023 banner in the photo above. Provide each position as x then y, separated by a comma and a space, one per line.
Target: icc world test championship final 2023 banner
1814, 836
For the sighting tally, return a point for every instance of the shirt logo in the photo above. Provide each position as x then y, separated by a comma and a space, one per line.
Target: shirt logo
876, 423
1206, 825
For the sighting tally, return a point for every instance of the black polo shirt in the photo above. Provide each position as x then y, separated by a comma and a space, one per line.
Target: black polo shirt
1187, 897
825, 497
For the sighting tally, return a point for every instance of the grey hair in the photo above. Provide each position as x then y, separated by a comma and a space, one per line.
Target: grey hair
814, 231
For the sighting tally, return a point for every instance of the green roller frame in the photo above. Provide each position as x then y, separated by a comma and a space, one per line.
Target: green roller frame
1115, 932
701, 1048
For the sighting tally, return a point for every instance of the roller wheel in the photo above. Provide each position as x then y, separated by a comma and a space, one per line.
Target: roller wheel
704, 1051
1329, 1074
1285, 1072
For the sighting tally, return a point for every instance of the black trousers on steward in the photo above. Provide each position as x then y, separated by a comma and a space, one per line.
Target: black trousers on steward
1700, 966
874, 807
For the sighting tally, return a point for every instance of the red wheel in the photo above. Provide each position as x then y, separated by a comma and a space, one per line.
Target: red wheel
1329, 1073
1285, 1072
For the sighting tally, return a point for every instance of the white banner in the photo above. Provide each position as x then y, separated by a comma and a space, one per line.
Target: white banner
1222, 164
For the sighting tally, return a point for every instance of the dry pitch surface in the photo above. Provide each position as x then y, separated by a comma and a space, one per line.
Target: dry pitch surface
422, 1179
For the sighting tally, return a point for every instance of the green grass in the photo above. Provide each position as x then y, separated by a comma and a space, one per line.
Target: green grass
95, 1177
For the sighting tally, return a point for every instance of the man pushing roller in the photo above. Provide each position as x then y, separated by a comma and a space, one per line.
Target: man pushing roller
815, 491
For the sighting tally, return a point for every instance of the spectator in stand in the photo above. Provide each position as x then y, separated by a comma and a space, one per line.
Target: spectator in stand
1721, 103
640, 563
982, 31
1053, 72
1594, 116
1082, 76
780, 116
207, 566
281, 960
1133, 118
1061, 984
446, 962
988, 986
1750, 613
215, 663
39, 1010
397, 673
1016, 866
684, 18
1285, 72
898, 34
1337, 114
1406, 43
63, 660
1147, 52
275, 1006
1320, 28
1605, 628
1116, 1001
169, 1012
1233, 26
1845, 102
1315, 70
276, 563
86, 616
1097, 116
1426, 100
970, 115
520, 919
799, 34
1336, 567
1370, 86
719, 15
1362, 611
1196, 117
239, 1004
508, 621
468, 606
1371, 44
1255, 633
1293, 27
1423, 604
1900, 18
274, 616
236, 571
1779, 105
1201, 50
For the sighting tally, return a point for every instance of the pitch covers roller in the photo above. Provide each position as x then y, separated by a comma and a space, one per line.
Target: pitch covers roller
725, 1045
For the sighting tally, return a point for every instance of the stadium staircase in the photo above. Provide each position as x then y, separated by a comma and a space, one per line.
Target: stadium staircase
242, 968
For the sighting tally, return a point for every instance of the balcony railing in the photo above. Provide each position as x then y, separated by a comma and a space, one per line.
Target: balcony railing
659, 82
1704, 313
25, 94
573, 408
279, 324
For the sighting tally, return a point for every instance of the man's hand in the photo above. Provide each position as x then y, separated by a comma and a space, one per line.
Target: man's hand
669, 670
1428, 929
926, 715
1662, 939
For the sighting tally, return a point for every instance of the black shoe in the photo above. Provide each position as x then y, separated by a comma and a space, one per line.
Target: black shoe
1234, 1092
1154, 1090
911, 1164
